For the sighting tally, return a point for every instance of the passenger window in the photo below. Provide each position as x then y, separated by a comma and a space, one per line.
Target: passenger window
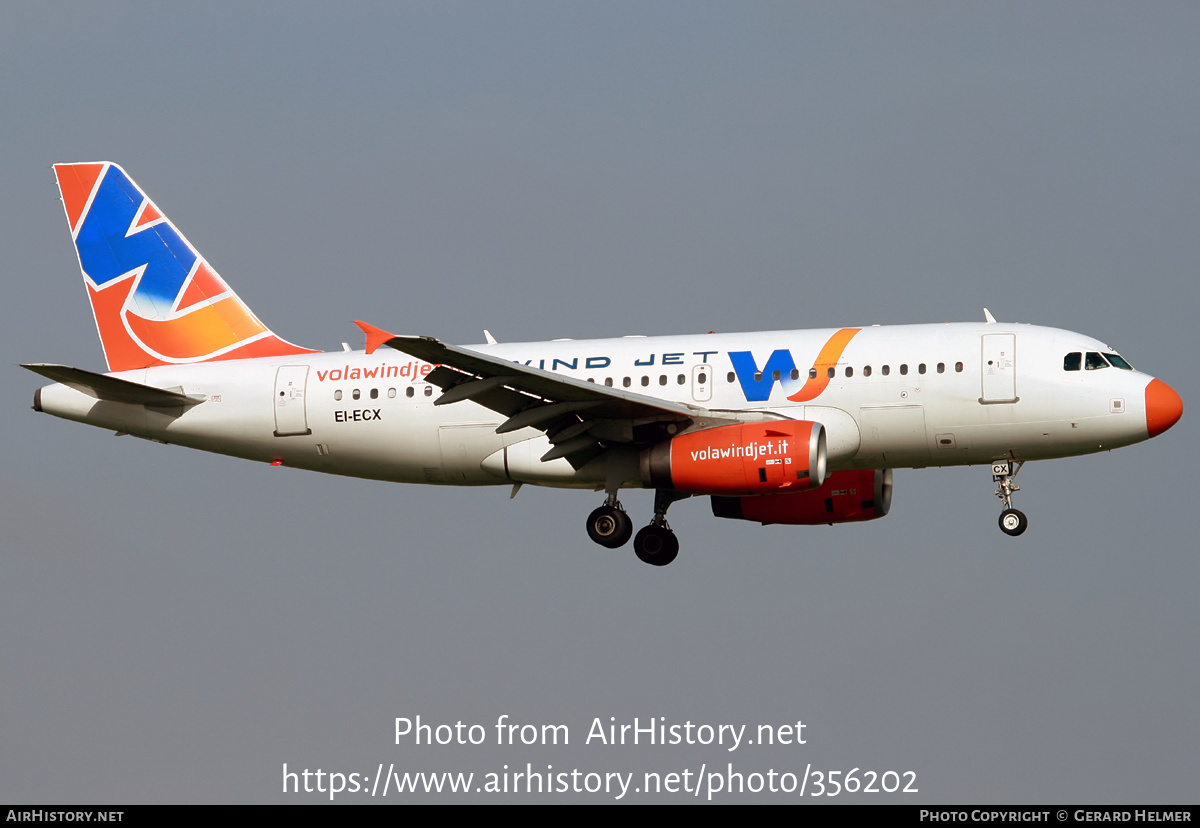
700, 378
608, 381
849, 371
774, 376
730, 377
391, 393
1072, 362
428, 390
356, 393
887, 369
1118, 362
758, 376
408, 392
867, 371
626, 382
645, 380
812, 373
662, 379
337, 395
829, 372
903, 369
921, 368
958, 367
1094, 361
941, 367
795, 373
374, 393
682, 379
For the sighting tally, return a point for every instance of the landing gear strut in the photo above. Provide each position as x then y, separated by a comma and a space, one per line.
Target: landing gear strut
1012, 521
609, 525
656, 544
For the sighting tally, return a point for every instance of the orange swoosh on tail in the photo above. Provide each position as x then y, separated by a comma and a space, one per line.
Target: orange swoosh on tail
198, 334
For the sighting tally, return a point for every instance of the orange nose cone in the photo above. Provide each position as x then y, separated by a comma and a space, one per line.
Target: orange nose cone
1163, 407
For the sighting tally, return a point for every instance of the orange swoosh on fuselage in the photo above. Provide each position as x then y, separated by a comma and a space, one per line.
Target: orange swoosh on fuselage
829, 356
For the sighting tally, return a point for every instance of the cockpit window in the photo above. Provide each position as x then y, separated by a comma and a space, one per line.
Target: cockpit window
1073, 362
1118, 361
1094, 361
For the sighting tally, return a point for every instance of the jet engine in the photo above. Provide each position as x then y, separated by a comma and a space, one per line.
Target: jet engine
742, 459
846, 497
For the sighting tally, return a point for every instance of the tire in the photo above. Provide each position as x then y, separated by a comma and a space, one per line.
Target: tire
1013, 522
609, 527
655, 545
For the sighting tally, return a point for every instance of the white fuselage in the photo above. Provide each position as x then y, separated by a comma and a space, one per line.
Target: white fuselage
900, 396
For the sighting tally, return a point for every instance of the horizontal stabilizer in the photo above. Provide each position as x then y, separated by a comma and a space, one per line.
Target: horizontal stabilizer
104, 387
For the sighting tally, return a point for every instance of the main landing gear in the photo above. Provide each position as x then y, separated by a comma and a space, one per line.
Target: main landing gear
655, 544
1012, 521
609, 525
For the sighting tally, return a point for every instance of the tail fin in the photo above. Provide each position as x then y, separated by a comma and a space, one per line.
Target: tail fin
155, 299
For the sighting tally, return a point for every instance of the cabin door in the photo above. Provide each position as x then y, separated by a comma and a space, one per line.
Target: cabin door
999, 367
290, 415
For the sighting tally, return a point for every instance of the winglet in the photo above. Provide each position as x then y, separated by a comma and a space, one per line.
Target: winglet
375, 336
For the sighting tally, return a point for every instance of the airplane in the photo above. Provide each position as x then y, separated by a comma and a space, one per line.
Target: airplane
796, 427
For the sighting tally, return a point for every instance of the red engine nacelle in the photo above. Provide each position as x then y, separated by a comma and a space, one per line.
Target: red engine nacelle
847, 496
744, 459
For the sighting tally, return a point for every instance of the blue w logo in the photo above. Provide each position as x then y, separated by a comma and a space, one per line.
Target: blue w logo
757, 385
106, 253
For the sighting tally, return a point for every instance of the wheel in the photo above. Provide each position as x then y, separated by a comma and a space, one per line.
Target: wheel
609, 527
1013, 522
655, 545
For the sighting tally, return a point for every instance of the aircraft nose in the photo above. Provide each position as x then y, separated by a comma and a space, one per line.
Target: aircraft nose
1163, 407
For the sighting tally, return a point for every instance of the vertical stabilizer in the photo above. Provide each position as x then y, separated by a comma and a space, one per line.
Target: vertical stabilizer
155, 299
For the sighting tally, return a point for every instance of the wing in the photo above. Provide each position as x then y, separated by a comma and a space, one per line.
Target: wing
581, 419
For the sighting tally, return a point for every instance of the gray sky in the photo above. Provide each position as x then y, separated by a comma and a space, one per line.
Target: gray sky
174, 626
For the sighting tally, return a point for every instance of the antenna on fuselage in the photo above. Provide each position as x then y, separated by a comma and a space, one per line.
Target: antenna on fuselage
987, 317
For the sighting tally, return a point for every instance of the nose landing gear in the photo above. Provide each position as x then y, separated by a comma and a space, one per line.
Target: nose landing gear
1012, 521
